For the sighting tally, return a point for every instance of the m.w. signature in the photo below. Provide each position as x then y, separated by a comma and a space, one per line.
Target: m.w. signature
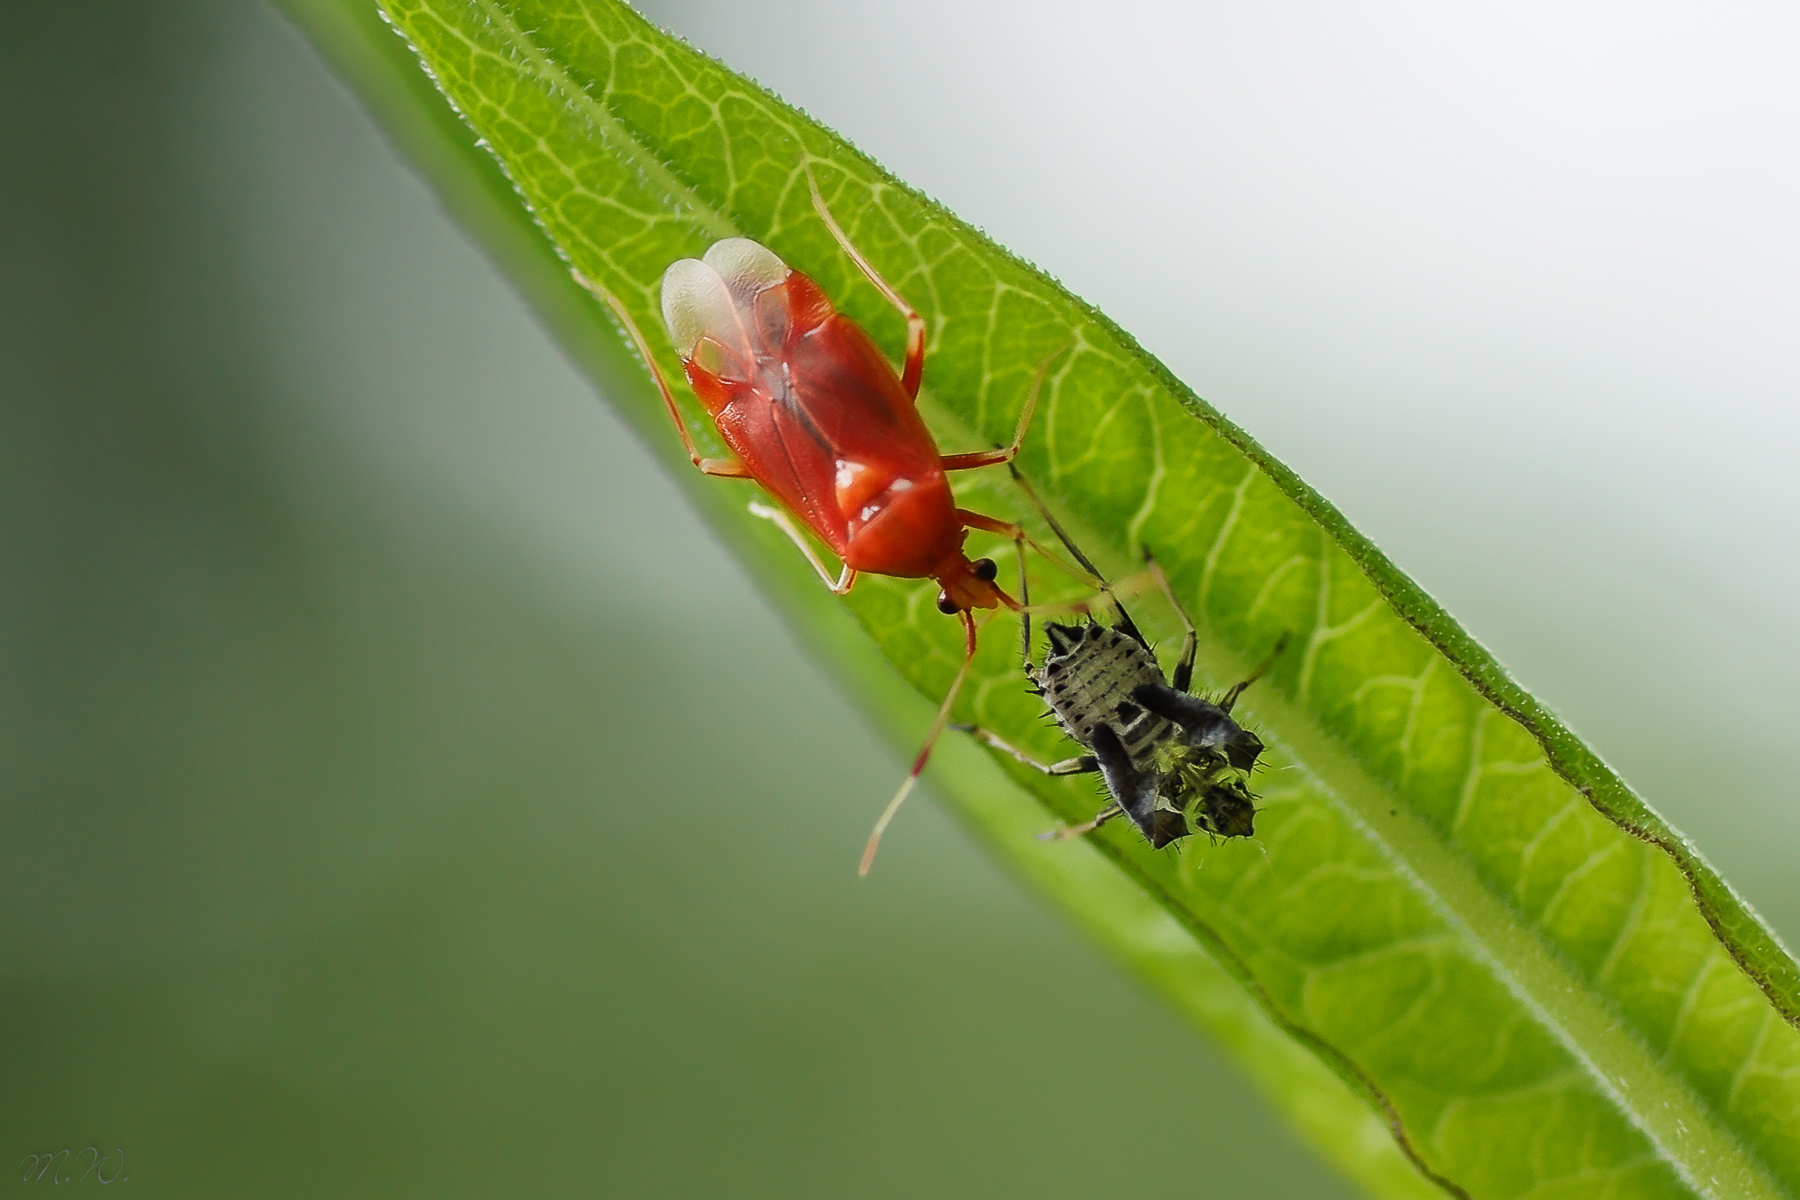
60, 1166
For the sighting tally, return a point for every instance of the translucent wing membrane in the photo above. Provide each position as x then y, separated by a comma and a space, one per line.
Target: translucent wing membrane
747, 267
697, 304
713, 298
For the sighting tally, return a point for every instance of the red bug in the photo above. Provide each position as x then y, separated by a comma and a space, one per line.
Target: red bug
812, 411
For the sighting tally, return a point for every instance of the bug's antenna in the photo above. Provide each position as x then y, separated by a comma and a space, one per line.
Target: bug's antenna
1024, 609
918, 767
1037, 382
1096, 576
1062, 535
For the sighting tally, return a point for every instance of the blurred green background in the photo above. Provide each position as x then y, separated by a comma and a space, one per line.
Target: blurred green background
403, 795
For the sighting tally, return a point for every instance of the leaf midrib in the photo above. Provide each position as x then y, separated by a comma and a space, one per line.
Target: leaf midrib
1681, 1127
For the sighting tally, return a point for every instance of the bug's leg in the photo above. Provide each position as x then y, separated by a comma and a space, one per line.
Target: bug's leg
1184, 666
1085, 765
1205, 726
838, 586
1190, 712
1005, 454
912, 371
724, 468
1230, 698
931, 737
1106, 814
1133, 790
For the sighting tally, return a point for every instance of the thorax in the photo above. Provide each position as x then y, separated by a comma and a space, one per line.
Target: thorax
1088, 683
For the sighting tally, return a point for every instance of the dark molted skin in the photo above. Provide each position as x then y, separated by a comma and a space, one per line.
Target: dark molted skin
1208, 727
1230, 812
1165, 755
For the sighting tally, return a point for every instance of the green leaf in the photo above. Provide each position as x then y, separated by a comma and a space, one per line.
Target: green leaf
1462, 955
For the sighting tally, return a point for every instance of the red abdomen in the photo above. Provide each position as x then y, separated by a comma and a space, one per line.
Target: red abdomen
816, 414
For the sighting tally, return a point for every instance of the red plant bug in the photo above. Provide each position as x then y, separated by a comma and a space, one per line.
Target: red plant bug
811, 410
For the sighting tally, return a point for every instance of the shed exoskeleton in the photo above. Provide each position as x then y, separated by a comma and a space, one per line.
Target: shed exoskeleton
1175, 763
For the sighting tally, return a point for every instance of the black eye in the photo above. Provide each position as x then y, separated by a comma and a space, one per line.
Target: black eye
946, 605
985, 570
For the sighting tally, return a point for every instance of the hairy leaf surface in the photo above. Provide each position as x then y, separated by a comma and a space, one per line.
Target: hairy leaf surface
1461, 954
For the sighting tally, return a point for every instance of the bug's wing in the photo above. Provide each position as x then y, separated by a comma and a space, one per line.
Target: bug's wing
715, 297
747, 268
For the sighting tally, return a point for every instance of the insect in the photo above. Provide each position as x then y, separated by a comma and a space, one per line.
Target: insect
1175, 763
811, 410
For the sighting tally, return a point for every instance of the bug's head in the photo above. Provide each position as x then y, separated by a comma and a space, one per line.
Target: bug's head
1065, 638
969, 584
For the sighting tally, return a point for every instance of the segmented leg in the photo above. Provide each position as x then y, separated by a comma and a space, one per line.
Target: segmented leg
1106, 814
1085, 765
1006, 454
844, 581
724, 468
1184, 666
1230, 698
912, 371
918, 767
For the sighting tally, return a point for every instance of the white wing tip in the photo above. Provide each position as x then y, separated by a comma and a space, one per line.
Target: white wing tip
705, 298
691, 292
747, 267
